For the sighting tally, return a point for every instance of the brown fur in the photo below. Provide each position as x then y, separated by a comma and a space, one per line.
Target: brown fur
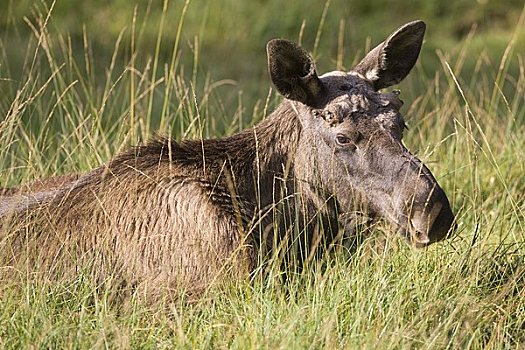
165, 214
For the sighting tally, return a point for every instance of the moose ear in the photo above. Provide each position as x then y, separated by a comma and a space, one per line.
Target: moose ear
292, 71
391, 61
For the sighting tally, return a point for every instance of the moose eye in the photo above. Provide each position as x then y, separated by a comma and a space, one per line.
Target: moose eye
343, 140
348, 140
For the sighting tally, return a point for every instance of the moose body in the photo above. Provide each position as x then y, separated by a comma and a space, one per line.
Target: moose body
180, 215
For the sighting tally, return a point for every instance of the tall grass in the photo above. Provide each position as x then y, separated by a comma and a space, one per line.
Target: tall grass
59, 117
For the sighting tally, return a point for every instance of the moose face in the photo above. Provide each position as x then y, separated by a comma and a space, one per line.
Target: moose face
353, 134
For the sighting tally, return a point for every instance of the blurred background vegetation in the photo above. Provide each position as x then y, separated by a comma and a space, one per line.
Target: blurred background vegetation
230, 35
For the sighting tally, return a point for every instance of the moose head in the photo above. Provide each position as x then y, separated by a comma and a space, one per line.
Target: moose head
352, 134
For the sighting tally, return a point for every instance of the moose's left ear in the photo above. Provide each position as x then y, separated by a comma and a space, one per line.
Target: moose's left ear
292, 71
391, 61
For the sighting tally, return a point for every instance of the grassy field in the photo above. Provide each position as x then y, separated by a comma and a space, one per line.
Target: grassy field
61, 112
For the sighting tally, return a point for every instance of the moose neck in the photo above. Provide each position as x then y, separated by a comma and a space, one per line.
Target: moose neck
277, 139
260, 157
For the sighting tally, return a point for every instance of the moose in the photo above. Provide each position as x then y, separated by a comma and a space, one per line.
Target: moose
179, 215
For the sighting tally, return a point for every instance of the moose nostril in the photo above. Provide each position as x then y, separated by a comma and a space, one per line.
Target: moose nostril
421, 238
421, 224
438, 224
422, 221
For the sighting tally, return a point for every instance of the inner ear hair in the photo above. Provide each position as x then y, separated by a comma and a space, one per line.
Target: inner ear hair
292, 71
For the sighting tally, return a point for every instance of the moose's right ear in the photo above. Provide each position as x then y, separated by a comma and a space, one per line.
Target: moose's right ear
292, 71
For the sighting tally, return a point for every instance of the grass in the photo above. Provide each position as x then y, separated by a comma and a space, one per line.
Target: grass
59, 116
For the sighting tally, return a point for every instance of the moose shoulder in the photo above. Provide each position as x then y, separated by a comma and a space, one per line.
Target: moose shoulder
176, 215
